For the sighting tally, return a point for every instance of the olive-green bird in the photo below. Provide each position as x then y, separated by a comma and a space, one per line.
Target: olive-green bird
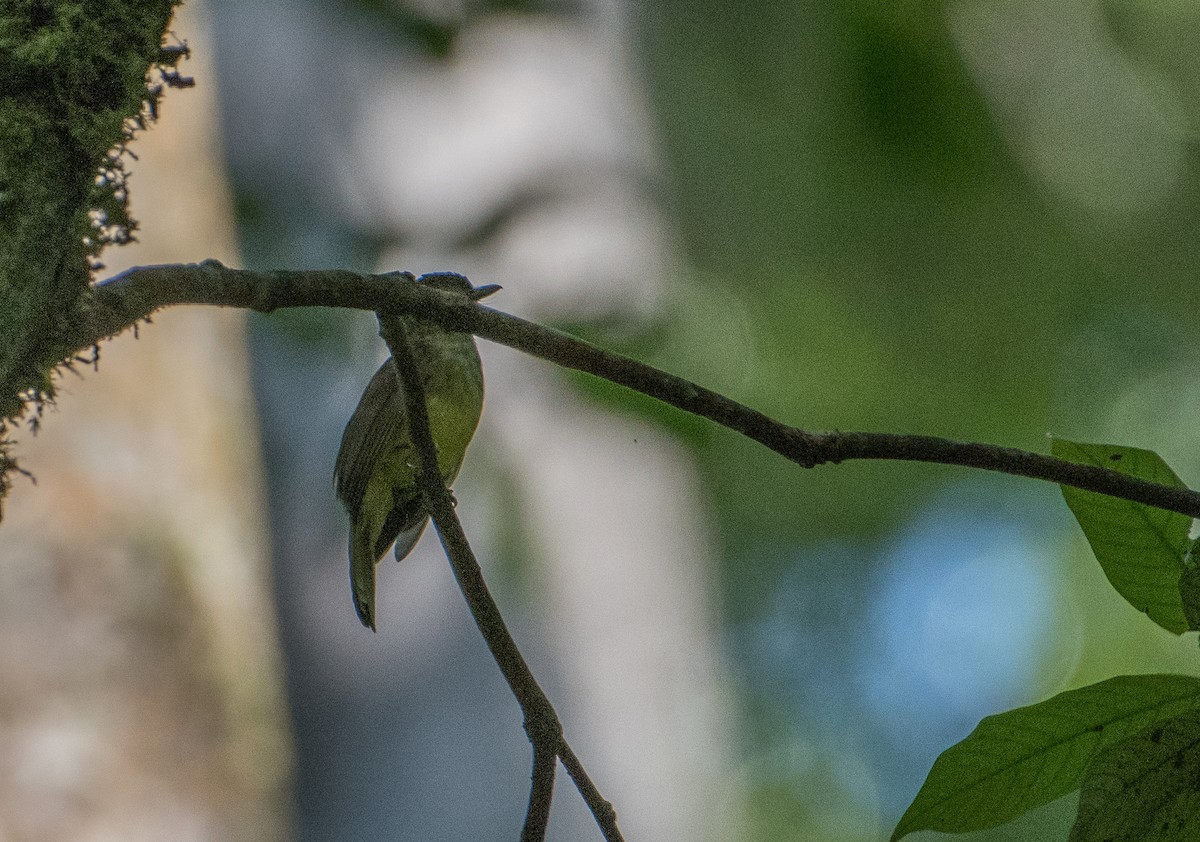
376, 471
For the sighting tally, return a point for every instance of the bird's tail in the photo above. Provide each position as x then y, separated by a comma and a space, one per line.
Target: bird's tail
362, 576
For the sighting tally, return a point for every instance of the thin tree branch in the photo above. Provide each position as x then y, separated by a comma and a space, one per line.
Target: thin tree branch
601, 808
541, 791
541, 721
135, 294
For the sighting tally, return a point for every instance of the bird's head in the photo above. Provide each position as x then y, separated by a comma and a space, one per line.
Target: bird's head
454, 282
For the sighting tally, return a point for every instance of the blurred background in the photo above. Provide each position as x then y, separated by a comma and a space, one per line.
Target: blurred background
976, 219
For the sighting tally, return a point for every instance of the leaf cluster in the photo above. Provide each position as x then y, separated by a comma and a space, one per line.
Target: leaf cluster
1130, 744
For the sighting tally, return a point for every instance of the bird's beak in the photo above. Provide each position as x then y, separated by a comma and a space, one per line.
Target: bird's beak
480, 293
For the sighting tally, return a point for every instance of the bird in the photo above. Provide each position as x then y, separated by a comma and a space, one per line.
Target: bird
375, 474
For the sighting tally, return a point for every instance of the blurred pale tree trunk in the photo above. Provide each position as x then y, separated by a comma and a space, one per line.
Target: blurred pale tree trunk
527, 160
142, 691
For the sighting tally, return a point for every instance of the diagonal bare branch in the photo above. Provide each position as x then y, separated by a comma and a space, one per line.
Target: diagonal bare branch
541, 721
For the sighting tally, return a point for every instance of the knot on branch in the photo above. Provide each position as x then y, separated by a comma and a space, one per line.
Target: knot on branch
808, 450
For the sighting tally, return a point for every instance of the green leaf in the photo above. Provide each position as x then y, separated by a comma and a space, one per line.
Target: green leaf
1015, 761
1144, 788
1189, 590
1140, 548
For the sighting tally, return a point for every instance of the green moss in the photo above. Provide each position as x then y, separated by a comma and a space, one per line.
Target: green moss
73, 86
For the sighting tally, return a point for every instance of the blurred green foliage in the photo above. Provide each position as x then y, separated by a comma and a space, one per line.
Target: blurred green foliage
846, 189
888, 232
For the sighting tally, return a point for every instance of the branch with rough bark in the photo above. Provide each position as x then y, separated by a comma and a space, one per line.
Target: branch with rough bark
137, 293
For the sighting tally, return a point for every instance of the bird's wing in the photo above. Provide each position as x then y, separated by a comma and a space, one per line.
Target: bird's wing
369, 434
407, 538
